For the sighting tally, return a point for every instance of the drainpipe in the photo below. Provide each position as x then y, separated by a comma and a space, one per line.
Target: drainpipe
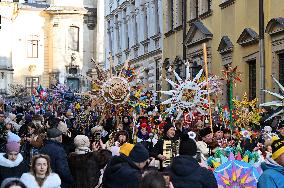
184, 12
261, 52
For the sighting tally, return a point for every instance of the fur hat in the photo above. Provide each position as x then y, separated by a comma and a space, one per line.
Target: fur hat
13, 146
81, 141
12, 116
167, 127
280, 124
62, 127
126, 148
11, 137
277, 148
139, 153
205, 131
96, 129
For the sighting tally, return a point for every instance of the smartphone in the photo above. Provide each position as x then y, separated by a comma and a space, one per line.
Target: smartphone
97, 136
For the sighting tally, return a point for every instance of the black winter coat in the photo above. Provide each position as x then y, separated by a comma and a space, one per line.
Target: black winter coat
185, 172
85, 169
9, 169
121, 173
58, 160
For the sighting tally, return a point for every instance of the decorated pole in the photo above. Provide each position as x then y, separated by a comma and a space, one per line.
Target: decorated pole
207, 84
232, 76
231, 104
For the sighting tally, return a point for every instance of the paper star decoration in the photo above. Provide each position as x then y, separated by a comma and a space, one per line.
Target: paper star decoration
188, 94
231, 74
279, 103
246, 112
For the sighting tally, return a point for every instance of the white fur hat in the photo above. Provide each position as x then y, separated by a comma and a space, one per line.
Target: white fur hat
81, 141
62, 127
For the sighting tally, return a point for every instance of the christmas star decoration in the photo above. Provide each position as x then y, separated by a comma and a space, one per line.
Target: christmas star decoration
187, 94
246, 112
231, 74
278, 103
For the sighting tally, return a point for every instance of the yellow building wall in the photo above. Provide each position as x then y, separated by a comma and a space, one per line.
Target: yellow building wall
231, 21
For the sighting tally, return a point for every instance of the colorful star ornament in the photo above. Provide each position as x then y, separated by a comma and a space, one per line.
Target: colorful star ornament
109, 88
231, 74
279, 104
235, 171
188, 94
246, 112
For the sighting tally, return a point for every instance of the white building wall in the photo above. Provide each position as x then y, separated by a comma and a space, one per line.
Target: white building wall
141, 59
28, 26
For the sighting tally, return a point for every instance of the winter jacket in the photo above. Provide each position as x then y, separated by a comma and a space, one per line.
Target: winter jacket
58, 160
121, 172
10, 168
185, 172
52, 181
273, 175
85, 169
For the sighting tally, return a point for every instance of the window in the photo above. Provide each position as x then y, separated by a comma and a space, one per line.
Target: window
170, 16
109, 35
126, 29
145, 23
179, 12
117, 33
252, 79
135, 23
193, 9
32, 82
0, 19
281, 68
73, 38
32, 48
156, 10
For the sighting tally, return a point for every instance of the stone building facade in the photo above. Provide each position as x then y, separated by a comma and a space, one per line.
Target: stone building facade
230, 29
51, 41
134, 32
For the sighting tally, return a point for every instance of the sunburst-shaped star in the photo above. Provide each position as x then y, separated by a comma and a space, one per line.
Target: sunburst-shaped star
278, 103
188, 94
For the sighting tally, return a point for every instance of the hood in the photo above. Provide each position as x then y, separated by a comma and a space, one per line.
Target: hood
117, 164
184, 165
271, 164
8, 163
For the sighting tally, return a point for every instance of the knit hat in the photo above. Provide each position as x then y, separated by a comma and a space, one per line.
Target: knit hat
188, 147
11, 137
53, 133
204, 132
139, 153
126, 148
167, 127
13, 146
277, 148
81, 141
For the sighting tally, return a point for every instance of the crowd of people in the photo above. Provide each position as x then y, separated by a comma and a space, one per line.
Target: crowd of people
74, 147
